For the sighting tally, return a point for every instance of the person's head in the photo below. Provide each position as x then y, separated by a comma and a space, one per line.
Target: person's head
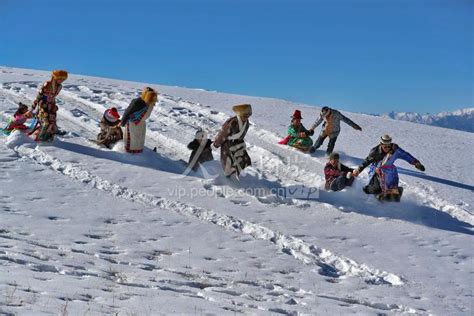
59, 76
386, 143
243, 111
22, 109
296, 118
325, 111
149, 95
200, 135
112, 116
334, 159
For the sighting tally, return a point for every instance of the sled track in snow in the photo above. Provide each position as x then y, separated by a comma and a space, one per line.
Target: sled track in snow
329, 264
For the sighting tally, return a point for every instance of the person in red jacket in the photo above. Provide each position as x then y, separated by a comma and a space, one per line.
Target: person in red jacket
337, 175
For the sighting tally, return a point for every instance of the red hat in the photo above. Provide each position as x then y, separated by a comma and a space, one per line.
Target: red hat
112, 115
296, 115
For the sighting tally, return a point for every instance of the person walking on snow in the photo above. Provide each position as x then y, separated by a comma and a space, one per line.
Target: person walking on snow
110, 130
331, 128
298, 134
383, 172
46, 102
134, 120
230, 140
337, 175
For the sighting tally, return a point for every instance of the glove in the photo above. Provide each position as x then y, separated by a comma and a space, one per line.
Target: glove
358, 128
355, 173
419, 166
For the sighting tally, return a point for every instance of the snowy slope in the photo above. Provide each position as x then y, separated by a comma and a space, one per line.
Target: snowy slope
462, 120
106, 232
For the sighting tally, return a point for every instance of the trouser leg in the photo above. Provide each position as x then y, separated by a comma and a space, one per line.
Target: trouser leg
331, 144
374, 186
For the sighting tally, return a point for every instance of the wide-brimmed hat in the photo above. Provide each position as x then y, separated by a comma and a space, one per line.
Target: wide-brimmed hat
242, 109
297, 115
386, 139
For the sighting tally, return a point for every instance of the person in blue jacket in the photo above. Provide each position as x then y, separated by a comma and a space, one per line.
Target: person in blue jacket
383, 172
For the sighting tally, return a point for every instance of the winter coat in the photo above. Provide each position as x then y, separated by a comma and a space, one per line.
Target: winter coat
383, 165
296, 140
331, 173
332, 123
46, 101
17, 122
204, 155
110, 133
234, 156
134, 120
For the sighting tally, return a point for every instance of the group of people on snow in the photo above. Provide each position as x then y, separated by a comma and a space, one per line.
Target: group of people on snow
230, 139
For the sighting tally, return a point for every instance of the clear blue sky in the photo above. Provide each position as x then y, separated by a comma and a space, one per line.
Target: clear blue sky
364, 56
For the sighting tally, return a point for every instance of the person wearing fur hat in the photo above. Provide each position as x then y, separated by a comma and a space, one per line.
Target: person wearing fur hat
337, 175
201, 150
230, 140
19, 119
46, 103
299, 136
331, 128
383, 172
110, 130
134, 120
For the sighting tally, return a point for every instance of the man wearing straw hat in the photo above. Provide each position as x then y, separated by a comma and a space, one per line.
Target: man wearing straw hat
230, 140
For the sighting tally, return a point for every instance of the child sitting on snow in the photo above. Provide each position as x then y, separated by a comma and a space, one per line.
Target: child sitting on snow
21, 115
110, 130
201, 150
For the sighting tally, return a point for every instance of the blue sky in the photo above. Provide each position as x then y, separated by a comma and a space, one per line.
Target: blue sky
363, 56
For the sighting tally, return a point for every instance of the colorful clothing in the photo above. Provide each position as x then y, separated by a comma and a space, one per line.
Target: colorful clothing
46, 101
134, 120
16, 123
333, 173
382, 166
110, 133
234, 156
295, 137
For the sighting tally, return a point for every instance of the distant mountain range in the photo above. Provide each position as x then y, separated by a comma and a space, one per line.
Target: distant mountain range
462, 120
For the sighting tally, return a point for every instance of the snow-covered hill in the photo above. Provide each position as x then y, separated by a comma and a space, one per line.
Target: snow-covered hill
462, 120
86, 230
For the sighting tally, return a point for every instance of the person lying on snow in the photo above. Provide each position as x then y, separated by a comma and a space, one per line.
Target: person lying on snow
230, 139
134, 120
331, 128
383, 172
201, 150
298, 135
337, 175
19, 119
110, 130
46, 102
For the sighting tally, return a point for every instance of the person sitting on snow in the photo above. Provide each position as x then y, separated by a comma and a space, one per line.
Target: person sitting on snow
331, 128
298, 134
337, 175
201, 150
383, 172
110, 130
21, 115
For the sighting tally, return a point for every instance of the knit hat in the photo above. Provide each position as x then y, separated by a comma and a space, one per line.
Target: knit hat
325, 111
149, 95
59, 74
242, 109
333, 156
112, 115
297, 115
200, 134
386, 140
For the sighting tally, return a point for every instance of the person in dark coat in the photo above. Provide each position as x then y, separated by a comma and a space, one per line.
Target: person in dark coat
331, 128
201, 150
234, 156
383, 172
110, 130
337, 175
